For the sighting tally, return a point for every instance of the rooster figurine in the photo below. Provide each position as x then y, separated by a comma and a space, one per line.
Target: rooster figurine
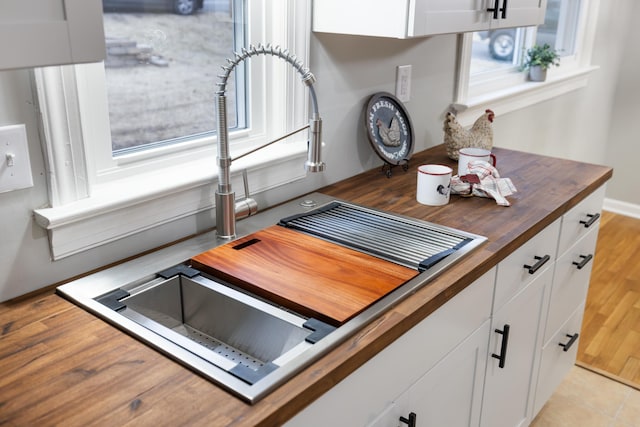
456, 137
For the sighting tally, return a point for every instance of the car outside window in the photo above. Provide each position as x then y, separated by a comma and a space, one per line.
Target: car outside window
490, 71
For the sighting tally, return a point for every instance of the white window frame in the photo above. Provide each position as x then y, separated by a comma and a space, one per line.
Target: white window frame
96, 199
514, 91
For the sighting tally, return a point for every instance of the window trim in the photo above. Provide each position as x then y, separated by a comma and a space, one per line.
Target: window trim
572, 75
92, 205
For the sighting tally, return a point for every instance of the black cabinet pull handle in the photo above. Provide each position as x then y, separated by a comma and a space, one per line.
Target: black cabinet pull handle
540, 262
504, 9
585, 261
502, 357
494, 9
567, 346
411, 421
589, 222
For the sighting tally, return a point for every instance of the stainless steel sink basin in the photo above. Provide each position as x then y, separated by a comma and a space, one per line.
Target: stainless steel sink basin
239, 341
234, 331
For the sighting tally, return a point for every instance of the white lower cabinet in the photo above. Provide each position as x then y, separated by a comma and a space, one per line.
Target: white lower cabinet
490, 357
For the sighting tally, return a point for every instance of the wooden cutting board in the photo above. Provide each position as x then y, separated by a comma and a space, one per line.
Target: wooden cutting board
306, 274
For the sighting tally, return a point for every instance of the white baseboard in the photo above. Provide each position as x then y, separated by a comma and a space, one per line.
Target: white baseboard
622, 208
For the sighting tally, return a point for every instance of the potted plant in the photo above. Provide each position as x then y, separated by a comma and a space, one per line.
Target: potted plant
539, 59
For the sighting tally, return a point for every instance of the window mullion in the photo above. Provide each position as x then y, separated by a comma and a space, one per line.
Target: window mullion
65, 157
465, 41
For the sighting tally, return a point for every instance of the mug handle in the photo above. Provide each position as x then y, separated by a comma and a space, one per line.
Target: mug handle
493, 159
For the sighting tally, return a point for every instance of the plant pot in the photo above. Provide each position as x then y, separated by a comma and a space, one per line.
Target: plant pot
537, 73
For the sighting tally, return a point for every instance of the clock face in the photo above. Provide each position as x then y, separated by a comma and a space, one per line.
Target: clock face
389, 128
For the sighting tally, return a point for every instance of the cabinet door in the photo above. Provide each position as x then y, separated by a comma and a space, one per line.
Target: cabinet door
37, 33
519, 13
447, 16
450, 394
459, 16
415, 18
379, 18
512, 368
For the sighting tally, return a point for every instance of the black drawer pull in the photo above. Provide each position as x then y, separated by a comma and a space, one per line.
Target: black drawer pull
504, 9
502, 357
411, 421
592, 218
540, 262
494, 9
585, 261
567, 346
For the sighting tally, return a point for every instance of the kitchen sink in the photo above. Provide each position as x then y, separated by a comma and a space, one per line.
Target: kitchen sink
246, 342
234, 331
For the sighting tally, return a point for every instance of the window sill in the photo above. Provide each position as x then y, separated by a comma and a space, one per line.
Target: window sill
522, 95
126, 207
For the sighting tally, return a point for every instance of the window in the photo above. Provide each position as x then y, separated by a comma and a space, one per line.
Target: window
490, 70
160, 69
101, 191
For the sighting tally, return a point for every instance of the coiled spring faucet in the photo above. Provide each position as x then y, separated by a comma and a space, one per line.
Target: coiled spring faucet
226, 206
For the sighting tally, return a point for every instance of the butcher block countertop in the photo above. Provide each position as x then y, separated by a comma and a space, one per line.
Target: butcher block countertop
62, 365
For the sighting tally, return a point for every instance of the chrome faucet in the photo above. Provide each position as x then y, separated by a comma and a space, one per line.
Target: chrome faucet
227, 209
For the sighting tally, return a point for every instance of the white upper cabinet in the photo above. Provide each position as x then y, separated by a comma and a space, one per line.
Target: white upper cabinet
416, 18
35, 33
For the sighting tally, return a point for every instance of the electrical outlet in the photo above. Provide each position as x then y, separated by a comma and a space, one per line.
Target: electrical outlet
403, 83
15, 167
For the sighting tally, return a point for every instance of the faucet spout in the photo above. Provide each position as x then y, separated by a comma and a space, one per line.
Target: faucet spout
224, 195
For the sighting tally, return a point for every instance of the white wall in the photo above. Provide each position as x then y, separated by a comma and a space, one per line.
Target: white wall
623, 142
349, 70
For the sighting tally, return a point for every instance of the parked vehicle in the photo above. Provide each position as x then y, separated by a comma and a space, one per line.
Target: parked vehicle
502, 42
181, 7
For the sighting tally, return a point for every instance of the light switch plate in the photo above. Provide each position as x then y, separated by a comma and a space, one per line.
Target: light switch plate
403, 83
15, 167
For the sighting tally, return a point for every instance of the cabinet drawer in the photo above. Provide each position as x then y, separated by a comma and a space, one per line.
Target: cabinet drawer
571, 281
580, 219
556, 362
513, 276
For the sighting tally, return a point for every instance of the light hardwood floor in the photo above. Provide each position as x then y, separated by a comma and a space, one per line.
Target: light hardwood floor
610, 339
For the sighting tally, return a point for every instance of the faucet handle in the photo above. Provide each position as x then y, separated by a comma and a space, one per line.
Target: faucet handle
314, 162
247, 206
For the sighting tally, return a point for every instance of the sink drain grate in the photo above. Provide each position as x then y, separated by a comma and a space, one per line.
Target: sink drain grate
228, 352
415, 244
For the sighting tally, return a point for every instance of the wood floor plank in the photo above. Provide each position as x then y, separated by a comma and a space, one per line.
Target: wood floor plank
610, 336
